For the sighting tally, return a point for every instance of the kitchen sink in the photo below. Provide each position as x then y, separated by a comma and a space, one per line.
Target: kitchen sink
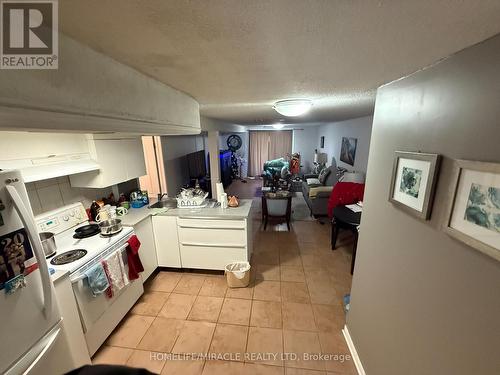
165, 203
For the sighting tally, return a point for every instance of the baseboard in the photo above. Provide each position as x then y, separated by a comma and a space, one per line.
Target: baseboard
354, 353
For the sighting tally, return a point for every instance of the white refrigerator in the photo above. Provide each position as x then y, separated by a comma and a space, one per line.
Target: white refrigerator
31, 332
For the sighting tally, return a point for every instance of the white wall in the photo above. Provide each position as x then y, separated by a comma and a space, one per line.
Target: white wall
243, 151
305, 141
359, 128
174, 149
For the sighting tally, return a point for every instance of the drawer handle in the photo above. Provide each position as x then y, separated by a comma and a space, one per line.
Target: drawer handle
211, 245
208, 227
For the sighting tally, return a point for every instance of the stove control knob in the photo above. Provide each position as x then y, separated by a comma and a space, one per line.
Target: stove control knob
65, 217
72, 213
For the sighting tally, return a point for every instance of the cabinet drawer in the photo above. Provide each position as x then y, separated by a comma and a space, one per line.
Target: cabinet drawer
211, 257
205, 236
211, 224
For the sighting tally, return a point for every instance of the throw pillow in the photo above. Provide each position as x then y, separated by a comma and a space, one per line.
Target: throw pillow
312, 181
323, 175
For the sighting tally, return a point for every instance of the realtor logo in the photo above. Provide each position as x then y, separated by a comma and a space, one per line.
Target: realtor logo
29, 34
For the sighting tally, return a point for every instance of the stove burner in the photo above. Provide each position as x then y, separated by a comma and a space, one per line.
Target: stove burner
68, 257
111, 234
86, 231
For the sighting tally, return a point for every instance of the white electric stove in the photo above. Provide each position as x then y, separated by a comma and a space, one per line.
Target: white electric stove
98, 315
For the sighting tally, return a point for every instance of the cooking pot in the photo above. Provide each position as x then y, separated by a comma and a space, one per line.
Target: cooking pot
110, 227
48, 243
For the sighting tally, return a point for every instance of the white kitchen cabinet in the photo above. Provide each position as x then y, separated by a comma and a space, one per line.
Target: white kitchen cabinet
167, 241
147, 251
120, 160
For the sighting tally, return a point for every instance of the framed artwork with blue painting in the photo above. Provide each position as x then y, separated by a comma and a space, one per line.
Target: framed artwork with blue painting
414, 177
474, 206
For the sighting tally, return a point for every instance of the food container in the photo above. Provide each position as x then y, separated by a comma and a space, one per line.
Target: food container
110, 227
48, 243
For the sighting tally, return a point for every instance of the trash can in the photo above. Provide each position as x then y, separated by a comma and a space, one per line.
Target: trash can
238, 274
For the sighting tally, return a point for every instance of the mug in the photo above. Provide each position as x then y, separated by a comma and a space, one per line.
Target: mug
105, 213
121, 211
125, 204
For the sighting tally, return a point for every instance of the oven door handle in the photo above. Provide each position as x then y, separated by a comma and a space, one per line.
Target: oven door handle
82, 276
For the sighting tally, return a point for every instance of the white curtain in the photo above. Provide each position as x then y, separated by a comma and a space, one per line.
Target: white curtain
268, 145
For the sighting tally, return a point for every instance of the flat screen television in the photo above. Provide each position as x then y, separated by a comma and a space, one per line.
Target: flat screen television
197, 166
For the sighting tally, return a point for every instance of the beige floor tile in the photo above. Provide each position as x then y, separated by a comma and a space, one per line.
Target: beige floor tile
302, 344
223, 367
161, 335
267, 257
164, 282
189, 284
311, 260
334, 344
329, 318
294, 292
235, 311
111, 355
266, 314
184, 367
267, 272
130, 331
214, 287
322, 293
301, 371
259, 369
150, 303
177, 306
230, 340
206, 308
262, 342
292, 273
143, 359
290, 259
195, 337
298, 316
243, 293
267, 291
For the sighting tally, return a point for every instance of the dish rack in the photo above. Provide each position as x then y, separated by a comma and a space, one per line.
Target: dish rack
195, 202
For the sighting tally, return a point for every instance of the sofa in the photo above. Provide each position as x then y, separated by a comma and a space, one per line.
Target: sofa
316, 190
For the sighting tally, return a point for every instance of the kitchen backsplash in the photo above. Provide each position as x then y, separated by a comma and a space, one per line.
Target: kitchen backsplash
50, 194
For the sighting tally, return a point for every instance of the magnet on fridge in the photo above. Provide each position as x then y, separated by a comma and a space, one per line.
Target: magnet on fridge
14, 284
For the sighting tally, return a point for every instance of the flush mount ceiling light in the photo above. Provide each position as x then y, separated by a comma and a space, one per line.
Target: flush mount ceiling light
293, 107
278, 126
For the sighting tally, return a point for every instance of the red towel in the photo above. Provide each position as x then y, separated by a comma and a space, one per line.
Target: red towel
345, 193
134, 262
109, 291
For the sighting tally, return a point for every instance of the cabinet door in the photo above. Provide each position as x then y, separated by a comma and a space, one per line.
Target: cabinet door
167, 241
109, 156
134, 157
147, 252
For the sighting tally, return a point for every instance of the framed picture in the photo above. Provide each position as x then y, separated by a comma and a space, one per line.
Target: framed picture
322, 142
348, 150
414, 177
474, 206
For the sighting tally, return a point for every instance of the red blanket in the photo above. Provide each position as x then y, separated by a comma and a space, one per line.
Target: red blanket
345, 193
134, 262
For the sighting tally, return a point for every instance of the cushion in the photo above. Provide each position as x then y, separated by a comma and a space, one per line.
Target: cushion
313, 181
319, 189
323, 175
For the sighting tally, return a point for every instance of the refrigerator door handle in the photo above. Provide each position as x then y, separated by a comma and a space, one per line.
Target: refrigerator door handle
30, 227
33, 357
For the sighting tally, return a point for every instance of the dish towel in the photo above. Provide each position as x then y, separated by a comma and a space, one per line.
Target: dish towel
134, 262
97, 280
109, 290
122, 257
115, 271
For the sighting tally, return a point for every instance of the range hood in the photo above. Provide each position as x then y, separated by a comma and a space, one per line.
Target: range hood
52, 166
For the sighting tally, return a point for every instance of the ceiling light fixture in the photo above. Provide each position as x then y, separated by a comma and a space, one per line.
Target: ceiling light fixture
293, 107
278, 126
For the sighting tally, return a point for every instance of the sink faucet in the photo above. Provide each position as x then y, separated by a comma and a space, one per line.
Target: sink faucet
161, 195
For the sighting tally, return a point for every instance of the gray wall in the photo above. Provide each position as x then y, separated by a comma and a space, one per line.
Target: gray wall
305, 141
359, 128
423, 303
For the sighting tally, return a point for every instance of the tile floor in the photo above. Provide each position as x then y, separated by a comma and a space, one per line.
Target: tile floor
293, 306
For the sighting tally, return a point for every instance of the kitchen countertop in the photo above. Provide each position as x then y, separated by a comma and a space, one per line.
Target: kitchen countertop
136, 215
240, 212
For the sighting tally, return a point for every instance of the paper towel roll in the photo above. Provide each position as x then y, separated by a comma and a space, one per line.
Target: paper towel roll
219, 190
